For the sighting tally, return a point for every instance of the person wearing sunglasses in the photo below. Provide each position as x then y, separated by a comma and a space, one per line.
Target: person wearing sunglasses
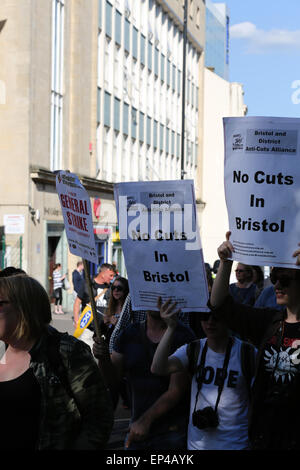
118, 293
275, 410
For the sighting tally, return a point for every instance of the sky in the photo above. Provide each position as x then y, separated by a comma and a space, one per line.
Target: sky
265, 55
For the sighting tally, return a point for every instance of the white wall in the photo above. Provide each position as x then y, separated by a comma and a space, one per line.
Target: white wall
221, 99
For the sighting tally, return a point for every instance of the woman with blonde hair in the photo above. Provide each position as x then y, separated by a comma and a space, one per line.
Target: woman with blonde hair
52, 392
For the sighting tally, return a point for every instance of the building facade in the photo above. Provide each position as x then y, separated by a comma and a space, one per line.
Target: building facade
93, 87
217, 38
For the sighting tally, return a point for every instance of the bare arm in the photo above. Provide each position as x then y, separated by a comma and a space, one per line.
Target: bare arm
76, 310
162, 364
220, 288
178, 386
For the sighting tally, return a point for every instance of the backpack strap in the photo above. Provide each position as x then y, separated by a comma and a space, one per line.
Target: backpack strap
248, 363
192, 350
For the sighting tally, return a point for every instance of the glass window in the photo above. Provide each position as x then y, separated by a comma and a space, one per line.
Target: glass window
156, 57
134, 42
107, 97
133, 122
108, 19
118, 27
173, 77
168, 73
148, 137
141, 127
155, 125
167, 140
98, 105
117, 103
127, 36
179, 82
162, 67
143, 49
149, 56
125, 118
173, 143
161, 138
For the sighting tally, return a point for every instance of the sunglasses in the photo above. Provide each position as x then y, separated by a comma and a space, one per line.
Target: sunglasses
283, 280
118, 288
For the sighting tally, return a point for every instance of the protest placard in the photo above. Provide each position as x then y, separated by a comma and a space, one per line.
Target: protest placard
77, 214
262, 189
161, 244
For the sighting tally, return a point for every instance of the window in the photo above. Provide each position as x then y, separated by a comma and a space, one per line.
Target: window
179, 82
167, 140
125, 118
149, 56
155, 125
127, 36
133, 122
173, 77
108, 19
117, 114
56, 134
156, 57
118, 27
162, 67
98, 105
107, 98
148, 136
143, 49
168, 73
173, 143
141, 127
134, 42
178, 150
161, 138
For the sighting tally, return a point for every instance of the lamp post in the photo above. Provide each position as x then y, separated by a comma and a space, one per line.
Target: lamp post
185, 18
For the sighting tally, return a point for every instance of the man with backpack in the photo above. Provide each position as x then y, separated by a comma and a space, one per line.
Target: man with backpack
222, 368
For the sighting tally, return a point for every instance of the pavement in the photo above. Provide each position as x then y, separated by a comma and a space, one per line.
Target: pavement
64, 323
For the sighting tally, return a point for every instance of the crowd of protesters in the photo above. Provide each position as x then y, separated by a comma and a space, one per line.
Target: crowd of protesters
226, 379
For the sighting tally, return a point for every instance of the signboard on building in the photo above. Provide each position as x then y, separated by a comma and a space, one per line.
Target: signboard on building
77, 214
161, 244
262, 189
14, 224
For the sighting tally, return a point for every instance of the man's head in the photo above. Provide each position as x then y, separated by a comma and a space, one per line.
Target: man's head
106, 273
80, 266
243, 273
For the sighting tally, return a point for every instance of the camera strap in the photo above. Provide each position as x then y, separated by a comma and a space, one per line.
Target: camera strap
200, 371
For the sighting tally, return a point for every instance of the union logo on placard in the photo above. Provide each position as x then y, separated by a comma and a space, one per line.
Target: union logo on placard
237, 143
85, 319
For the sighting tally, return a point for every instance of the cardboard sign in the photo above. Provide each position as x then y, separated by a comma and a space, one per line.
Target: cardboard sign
262, 189
161, 244
77, 214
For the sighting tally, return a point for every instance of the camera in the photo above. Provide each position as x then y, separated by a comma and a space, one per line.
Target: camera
206, 418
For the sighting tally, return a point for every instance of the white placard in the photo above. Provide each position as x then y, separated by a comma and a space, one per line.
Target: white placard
14, 224
161, 244
262, 189
77, 214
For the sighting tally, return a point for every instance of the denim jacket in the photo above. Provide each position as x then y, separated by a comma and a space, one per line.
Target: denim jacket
76, 410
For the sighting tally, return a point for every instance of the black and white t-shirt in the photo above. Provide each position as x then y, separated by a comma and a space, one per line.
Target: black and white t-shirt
232, 431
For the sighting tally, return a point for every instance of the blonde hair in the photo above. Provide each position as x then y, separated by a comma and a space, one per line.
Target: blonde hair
31, 302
